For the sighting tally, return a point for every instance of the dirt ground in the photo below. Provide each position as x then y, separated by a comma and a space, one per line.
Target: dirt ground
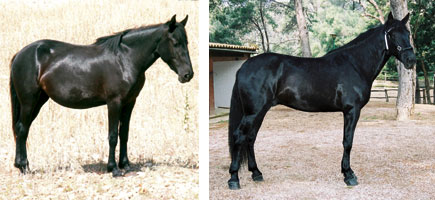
299, 154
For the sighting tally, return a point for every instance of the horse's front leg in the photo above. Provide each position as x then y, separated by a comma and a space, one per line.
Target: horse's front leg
114, 110
350, 120
123, 135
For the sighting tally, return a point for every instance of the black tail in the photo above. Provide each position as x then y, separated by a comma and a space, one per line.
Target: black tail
15, 104
236, 114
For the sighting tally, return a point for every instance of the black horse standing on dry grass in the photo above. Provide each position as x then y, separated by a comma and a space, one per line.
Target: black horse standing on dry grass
339, 81
111, 71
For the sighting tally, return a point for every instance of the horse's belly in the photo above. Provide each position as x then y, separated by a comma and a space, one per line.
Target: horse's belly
72, 94
306, 101
78, 104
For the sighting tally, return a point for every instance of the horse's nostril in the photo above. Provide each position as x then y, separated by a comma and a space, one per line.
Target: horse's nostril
187, 76
411, 60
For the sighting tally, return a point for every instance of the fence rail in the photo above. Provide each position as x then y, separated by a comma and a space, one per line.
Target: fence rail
388, 96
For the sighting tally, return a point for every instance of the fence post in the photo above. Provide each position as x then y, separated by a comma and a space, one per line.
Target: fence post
386, 95
424, 95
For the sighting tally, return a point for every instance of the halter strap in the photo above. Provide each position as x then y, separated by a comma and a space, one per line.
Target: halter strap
386, 42
399, 48
385, 36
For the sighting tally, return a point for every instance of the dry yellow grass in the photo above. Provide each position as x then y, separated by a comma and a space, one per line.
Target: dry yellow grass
68, 149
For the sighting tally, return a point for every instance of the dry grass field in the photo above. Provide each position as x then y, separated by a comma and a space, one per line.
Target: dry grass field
299, 154
68, 149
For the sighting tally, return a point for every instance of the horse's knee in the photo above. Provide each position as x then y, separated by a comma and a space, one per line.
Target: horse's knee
113, 139
240, 139
21, 131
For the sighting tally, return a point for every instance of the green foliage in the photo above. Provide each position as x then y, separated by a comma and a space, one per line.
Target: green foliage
423, 25
221, 24
332, 19
230, 20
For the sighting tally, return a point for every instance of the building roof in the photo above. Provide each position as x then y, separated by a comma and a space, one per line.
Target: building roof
231, 47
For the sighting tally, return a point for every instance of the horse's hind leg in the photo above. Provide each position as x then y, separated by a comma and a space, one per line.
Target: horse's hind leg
123, 136
239, 149
252, 164
29, 109
244, 145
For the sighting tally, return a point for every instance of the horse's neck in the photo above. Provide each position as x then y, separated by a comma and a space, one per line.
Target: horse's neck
370, 56
142, 47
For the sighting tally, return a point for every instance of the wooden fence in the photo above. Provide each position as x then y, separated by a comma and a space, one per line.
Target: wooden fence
387, 96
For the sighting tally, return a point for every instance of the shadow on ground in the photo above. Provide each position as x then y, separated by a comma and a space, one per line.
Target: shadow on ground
101, 167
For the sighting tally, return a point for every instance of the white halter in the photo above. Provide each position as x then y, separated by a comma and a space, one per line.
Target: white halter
386, 42
385, 36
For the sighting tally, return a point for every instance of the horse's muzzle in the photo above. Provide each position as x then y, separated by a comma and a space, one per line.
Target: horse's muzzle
186, 77
410, 62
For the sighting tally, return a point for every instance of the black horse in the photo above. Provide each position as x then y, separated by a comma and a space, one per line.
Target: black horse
339, 81
111, 71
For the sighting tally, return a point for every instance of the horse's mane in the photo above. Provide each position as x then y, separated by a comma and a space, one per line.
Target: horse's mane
112, 42
359, 38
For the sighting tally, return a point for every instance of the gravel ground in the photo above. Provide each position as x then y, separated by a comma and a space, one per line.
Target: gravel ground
299, 154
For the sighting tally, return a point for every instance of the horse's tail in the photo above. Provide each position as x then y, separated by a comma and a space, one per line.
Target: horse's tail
236, 114
15, 104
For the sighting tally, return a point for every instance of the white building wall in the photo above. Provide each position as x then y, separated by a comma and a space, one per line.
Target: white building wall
224, 76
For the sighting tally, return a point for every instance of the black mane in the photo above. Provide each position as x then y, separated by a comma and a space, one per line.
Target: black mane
112, 42
358, 39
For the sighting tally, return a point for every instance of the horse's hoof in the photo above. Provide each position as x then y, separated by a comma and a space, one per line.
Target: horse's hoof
124, 164
351, 181
127, 168
257, 178
117, 173
233, 185
22, 167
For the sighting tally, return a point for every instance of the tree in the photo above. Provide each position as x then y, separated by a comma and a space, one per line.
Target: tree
301, 23
232, 18
331, 19
405, 98
303, 30
379, 16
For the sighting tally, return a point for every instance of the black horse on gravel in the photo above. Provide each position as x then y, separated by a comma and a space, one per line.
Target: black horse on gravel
340, 81
111, 71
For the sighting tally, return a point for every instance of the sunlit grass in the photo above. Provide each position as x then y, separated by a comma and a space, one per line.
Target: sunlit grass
164, 125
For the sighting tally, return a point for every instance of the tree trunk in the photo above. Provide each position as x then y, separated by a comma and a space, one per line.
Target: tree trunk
261, 34
303, 31
405, 98
426, 82
264, 26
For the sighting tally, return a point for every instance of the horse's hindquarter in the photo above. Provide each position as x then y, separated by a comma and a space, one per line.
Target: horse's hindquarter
80, 76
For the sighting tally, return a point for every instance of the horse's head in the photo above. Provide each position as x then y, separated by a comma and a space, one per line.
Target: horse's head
397, 40
173, 49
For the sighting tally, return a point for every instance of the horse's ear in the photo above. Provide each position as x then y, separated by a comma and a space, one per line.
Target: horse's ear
405, 19
172, 24
184, 20
390, 16
389, 19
